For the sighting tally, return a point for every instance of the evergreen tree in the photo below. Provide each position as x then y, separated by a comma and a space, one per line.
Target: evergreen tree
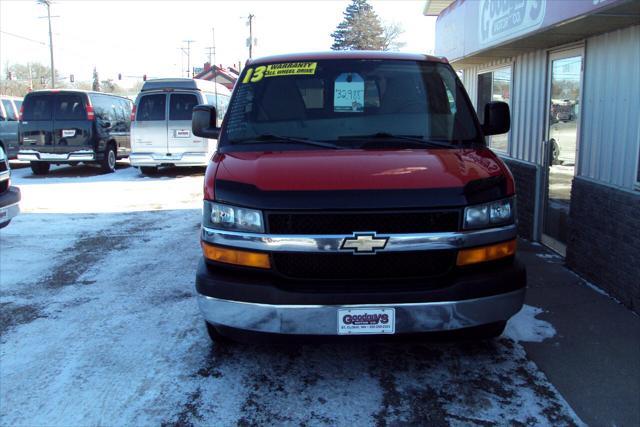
360, 29
96, 80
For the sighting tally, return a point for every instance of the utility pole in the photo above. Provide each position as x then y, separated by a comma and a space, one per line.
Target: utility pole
53, 70
188, 42
251, 16
215, 83
213, 39
211, 50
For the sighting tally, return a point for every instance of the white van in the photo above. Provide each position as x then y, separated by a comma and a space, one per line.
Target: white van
161, 123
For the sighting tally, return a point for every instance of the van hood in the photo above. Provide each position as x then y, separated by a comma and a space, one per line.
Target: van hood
316, 174
358, 169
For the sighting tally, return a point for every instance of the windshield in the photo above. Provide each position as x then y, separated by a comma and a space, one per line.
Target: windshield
343, 101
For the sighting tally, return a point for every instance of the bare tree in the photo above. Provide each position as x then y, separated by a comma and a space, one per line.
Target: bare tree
25, 78
391, 33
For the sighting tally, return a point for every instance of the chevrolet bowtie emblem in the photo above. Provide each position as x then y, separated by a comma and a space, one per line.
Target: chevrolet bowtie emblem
364, 243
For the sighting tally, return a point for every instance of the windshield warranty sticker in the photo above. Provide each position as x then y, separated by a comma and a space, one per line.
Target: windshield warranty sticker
285, 69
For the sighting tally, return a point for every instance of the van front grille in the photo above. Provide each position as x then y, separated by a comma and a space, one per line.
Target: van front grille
353, 221
390, 265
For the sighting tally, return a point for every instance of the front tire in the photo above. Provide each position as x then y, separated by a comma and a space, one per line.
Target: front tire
490, 331
108, 163
215, 335
148, 170
4, 224
40, 168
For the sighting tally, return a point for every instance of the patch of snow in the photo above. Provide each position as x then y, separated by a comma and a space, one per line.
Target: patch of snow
594, 287
525, 327
597, 289
125, 190
99, 271
551, 257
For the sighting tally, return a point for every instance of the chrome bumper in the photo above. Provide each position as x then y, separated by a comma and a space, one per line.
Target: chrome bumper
9, 212
323, 319
74, 156
177, 159
333, 243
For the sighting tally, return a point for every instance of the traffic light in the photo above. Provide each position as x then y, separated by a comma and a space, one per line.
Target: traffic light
119, 76
71, 78
9, 75
144, 77
42, 80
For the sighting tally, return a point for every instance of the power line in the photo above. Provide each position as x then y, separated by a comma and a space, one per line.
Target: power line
23, 37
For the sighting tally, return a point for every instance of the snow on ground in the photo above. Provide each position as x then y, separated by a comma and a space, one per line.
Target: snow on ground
99, 326
524, 327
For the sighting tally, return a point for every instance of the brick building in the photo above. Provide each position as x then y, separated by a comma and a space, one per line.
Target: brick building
224, 76
570, 71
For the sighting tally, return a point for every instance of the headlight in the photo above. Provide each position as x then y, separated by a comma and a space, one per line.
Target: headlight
495, 213
217, 215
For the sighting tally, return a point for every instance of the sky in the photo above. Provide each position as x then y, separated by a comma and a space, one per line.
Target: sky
146, 37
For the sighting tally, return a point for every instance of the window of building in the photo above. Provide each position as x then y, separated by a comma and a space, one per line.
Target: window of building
494, 85
638, 176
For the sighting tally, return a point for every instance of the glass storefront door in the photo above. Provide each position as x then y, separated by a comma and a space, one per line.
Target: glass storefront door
565, 82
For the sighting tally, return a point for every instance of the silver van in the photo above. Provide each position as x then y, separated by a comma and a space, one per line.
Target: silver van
161, 123
9, 117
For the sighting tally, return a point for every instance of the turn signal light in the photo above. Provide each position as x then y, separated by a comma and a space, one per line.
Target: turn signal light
236, 257
486, 253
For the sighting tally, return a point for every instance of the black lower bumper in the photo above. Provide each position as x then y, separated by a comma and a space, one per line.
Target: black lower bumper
496, 279
9, 205
10, 197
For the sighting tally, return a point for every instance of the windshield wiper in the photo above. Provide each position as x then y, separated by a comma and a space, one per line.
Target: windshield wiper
269, 137
414, 138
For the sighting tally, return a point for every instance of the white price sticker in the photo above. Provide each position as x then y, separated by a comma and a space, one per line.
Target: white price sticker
348, 93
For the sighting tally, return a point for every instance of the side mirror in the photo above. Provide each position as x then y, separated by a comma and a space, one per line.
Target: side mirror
497, 118
204, 122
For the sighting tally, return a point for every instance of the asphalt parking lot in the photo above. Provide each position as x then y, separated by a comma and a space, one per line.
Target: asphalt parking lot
100, 326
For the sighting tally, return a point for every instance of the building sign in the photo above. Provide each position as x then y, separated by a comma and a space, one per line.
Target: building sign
500, 20
469, 26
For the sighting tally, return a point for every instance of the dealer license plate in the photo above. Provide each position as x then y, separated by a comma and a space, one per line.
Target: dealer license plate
355, 321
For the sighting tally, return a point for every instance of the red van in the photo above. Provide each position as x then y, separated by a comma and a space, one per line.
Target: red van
353, 193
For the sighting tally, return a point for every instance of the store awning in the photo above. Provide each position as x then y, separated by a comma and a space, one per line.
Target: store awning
435, 7
471, 32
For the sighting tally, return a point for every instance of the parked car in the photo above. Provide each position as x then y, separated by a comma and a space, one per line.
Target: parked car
71, 126
9, 113
161, 123
349, 196
9, 196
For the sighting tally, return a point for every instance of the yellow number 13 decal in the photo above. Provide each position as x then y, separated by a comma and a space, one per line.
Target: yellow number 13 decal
254, 75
